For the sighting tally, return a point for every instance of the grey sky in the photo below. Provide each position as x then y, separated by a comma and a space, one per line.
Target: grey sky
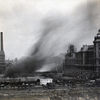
22, 22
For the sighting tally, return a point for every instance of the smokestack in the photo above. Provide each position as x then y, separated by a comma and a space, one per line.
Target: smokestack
2, 55
1, 41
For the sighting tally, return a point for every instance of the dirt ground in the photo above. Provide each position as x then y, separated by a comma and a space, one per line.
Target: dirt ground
72, 94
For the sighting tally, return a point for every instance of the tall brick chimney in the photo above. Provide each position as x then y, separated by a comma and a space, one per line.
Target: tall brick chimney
1, 41
2, 55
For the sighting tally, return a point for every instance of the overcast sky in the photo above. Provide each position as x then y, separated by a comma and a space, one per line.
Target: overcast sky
22, 22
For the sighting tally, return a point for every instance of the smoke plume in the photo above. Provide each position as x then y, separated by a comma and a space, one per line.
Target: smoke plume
77, 28
58, 31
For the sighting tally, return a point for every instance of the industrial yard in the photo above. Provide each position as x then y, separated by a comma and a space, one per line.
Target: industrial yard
49, 55
65, 88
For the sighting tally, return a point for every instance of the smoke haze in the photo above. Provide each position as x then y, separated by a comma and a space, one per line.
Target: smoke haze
77, 28
46, 30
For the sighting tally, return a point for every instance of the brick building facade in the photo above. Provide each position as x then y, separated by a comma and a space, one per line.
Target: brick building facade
88, 57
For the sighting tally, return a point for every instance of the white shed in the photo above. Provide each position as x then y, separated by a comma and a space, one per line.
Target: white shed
45, 81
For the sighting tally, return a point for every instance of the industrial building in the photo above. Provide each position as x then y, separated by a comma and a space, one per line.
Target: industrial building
2, 55
87, 58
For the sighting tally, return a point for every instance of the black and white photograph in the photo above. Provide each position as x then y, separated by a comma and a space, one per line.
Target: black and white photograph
49, 49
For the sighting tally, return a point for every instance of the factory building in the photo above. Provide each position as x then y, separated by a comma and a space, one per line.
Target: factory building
86, 55
97, 51
87, 58
2, 55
